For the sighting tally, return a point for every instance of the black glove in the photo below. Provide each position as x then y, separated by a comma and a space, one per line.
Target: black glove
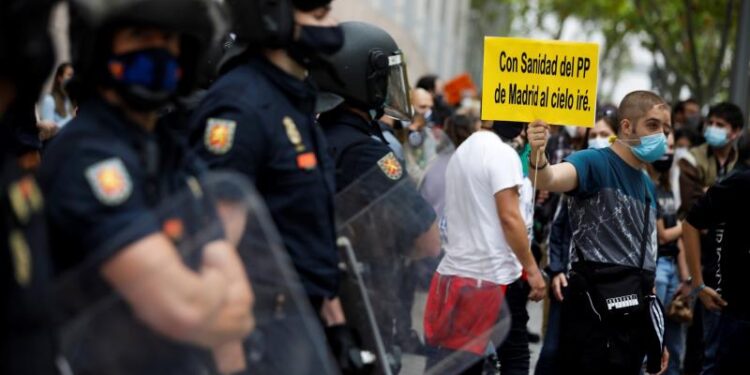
346, 347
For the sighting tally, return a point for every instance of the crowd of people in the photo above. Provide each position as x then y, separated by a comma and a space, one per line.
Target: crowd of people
367, 223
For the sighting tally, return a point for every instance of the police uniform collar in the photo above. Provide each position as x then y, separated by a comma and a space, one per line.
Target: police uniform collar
114, 119
349, 118
301, 92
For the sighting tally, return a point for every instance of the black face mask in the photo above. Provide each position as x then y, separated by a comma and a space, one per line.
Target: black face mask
664, 164
316, 40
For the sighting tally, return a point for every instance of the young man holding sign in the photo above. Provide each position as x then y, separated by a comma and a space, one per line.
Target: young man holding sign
611, 320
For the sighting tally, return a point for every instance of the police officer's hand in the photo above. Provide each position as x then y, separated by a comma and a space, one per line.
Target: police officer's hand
538, 133
234, 220
230, 358
559, 282
711, 299
239, 299
537, 284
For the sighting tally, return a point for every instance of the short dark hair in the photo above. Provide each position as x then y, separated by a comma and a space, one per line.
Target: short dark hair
692, 135
728, 112
427, 82
610, 121
459, 127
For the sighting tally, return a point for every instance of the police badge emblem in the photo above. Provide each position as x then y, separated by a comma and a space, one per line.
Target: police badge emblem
110, 181
293, 134
391, 166
25, 198
219, 135
21, 258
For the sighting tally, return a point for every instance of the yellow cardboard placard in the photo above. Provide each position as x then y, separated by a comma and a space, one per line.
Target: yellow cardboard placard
528, 79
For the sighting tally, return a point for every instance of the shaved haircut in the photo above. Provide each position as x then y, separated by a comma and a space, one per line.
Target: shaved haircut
636, 104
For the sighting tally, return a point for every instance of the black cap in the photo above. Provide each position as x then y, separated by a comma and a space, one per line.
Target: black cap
508, 129
308, 5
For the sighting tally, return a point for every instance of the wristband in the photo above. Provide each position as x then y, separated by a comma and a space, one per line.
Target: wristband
546, 162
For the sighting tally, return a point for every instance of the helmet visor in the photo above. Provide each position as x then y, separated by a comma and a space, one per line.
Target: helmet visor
397, 103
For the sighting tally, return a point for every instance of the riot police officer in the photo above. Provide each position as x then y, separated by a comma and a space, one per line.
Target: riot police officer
104, 177
258, 119
27, 345
370, 76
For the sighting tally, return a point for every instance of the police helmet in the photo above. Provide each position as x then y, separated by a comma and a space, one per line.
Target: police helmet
369, 71
262, 23
201, 24
267, 23
26, 46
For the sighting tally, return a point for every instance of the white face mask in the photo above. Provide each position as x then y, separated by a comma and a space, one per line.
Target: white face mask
598, 142
572, 131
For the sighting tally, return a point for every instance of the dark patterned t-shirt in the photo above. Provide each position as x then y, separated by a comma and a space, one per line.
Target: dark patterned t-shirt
607, 210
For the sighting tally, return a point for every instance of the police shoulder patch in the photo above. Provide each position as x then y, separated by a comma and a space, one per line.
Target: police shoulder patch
219, 135
391, 166
110, 181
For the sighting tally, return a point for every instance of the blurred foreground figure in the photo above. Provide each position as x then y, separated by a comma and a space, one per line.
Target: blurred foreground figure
27, 334
132, 304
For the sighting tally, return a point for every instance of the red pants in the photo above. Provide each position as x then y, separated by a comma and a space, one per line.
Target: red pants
461, 313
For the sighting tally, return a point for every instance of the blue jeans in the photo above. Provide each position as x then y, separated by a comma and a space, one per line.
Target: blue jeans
710, 340
667, 283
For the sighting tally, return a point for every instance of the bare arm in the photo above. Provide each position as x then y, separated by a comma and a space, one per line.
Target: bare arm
668, 235
514, 229
174, 300
428, 243
682, 268
691, 242
682, 265
559, 178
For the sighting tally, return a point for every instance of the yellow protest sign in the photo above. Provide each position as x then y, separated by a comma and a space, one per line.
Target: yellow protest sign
527, 79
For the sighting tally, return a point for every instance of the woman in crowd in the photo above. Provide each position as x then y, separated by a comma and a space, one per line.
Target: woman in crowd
57, 108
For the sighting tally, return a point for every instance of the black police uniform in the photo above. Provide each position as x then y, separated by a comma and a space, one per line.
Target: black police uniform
28, 338
259, 120
105, 179
358, 149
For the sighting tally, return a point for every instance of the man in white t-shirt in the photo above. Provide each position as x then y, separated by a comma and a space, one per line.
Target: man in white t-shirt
487, 246
486, 233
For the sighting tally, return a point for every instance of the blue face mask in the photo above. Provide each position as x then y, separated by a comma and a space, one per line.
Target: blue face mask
146, 79
715, 136
652, 148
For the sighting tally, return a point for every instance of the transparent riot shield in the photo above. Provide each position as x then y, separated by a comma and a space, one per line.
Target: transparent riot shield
104, 333
383, 228
422, 148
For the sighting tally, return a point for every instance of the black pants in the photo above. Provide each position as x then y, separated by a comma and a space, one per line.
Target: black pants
588, 345
734, 344
514, 352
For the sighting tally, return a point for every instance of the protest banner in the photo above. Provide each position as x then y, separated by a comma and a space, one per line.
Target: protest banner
525, 79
